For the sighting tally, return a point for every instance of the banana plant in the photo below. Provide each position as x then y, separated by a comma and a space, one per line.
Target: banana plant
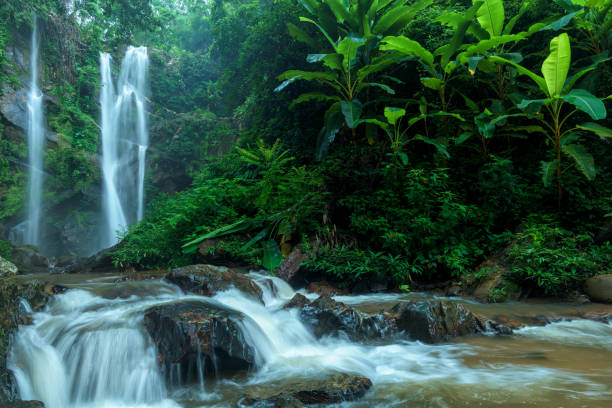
558, 90
397, 133
441, 64
496, 37
351, 30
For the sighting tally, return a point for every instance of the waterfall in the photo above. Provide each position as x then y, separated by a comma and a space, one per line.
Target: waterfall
36, 141
125, 140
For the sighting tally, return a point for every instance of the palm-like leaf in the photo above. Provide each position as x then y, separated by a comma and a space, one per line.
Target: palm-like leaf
557, 64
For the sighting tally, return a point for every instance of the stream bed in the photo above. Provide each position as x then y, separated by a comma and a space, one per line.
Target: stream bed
88, 349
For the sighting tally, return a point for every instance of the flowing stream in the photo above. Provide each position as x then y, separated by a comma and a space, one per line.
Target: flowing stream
36, 141
125, 140
88, 349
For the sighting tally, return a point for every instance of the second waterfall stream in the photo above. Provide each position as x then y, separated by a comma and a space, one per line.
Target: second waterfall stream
125, 140
89, 349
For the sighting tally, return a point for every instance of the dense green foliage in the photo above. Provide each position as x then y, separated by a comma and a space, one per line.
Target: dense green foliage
399, 140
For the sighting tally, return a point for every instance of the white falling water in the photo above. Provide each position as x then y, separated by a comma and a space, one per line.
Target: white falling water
125, 139
36, 140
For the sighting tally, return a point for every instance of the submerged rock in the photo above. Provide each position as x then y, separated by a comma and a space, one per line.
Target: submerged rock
325, 317
191, 334
435, 321
7, 268
599, 288
296, 393
206, 280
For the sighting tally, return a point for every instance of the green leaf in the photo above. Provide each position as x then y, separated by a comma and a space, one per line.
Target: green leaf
596, 128
333, 122
463, 137
407, 46
432, 83
510, 26
557, 64
463, 24
558, 24
548, 171
491, 16
394, 114
341, 13
313, 96
532, 105
242, 225
540, 82
384, 87
396, 17
583, 159
294, 74
571, 81
348, 48
586, 102
439, 146
300, 35
485, 46
352, 112
272, 256
327, 36
260, 235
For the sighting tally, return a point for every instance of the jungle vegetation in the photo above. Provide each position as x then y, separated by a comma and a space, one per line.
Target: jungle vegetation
405, 140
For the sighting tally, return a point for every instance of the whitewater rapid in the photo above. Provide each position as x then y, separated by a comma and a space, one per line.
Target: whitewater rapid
86, 350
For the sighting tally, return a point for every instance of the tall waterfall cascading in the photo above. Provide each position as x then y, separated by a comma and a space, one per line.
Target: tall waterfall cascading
125, 140
36, 141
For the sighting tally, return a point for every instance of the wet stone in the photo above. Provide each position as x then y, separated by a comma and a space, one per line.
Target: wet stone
206, 280
328, 317
435, 321
195, 338
337, 388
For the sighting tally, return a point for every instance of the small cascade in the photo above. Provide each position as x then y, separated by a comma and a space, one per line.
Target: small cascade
125, 140
36, 141
87, 351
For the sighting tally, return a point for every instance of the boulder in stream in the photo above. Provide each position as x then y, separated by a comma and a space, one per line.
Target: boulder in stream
206, 280
599, 288
435, 321
302, 392
191, 334
326, 316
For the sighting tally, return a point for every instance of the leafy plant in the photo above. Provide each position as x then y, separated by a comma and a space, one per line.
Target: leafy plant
350, 60
555, 260
558, 89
